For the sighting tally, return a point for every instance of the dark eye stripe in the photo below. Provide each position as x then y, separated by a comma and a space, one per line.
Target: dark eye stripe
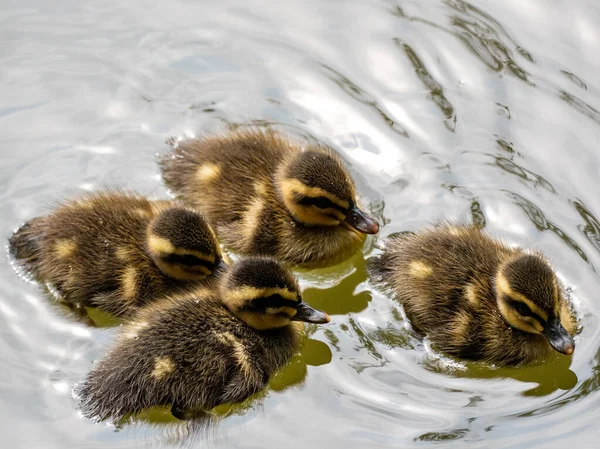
188, 260
320, 201
524, 310
274, 301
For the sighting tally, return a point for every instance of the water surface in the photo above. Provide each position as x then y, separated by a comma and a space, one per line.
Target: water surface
486, 111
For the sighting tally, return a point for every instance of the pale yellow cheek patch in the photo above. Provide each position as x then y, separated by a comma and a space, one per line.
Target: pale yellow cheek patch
419, 270
162, 367
287, 310
208, 172
534, 324
64, 248
129, 282
263, 321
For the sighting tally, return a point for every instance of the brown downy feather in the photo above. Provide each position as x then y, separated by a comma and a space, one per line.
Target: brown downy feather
444, 277
236, 181
94, 251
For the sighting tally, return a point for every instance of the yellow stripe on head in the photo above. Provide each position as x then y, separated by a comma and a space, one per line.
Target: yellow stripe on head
503, 286
244, 294
160, 246
291, 186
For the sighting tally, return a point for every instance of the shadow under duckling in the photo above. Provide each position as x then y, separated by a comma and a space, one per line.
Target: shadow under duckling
265, 195
193, 352
475, 298
117, 251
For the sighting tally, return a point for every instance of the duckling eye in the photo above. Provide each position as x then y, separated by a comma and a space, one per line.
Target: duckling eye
188, 260
522, 308
320, 201
271, 302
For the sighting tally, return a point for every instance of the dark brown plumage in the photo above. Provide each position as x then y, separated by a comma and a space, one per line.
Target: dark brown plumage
196, 351
116, 251
476, 298
265, 195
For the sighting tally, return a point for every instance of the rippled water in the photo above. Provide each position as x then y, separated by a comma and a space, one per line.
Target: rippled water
442, 108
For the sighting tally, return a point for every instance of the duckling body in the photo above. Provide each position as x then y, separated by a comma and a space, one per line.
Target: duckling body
213, 346
268, 196
116, 251
476, 298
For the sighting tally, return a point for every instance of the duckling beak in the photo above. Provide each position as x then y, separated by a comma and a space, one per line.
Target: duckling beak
309, 315
559, 338
360, 221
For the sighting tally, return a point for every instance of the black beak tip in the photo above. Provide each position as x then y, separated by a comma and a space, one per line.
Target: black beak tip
560, 340
568, 348
309, 315
372, 228
362, 222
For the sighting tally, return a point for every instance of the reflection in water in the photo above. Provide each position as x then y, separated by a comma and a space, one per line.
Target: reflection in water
344, 296
571, 76
435, 88
477, 216
511, 167
591, 228
360, 95
581, 106
482, 34
538, 218
443, 436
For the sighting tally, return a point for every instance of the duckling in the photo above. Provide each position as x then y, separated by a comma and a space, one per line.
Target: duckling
266, 195
116, 251
213, 346
476, 298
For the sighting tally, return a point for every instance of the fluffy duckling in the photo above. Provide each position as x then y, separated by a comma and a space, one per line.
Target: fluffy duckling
265, 195
193, 352
476, 298
116, 251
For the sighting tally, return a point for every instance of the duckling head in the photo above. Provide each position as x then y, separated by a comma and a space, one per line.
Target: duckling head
529, 298
317, 190
183, 245
265, 295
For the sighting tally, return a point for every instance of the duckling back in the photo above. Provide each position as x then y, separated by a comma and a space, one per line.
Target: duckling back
222, 175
